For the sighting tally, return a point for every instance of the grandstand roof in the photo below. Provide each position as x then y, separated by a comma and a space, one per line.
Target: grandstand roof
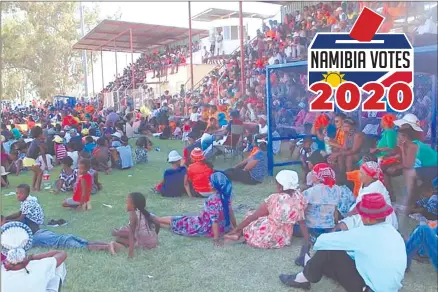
144, 36
212, 14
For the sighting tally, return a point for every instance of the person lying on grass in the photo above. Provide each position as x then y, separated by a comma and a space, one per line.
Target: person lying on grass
31, 213
271, 226
141, 231
82, 190
216, 218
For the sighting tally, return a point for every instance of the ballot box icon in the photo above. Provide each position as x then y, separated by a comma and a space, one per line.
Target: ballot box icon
349, 66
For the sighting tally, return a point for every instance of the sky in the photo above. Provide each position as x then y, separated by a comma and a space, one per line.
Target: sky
160, 13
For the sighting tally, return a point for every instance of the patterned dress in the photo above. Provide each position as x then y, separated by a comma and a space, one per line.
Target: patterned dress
201, 225
276, 229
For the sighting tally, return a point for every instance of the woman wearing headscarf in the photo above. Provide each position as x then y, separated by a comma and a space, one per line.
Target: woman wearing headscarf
325, 199
272, 224
21, 272
216, 218
371, 177
388, 138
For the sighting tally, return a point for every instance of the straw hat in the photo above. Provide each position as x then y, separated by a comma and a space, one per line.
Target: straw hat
84, 132
16, 239
197, 155
3, 171
373, 206
411, 120
173, 156
288, 179
58, 139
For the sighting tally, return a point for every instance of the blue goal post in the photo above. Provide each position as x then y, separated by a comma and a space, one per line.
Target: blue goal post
281, 113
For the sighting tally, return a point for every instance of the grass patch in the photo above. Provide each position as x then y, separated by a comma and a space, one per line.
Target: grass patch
178, 263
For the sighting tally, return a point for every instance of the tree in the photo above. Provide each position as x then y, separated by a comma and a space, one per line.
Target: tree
37, 40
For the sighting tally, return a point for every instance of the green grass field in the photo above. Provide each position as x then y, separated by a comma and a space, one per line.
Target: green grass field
179, 263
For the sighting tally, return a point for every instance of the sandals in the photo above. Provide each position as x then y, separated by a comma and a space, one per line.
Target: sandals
57, 223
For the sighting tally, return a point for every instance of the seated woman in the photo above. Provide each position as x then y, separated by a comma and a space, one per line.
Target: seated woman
252, 170
423, 238
197, 179
271, 226
324, 199
420, 163
21, 273
388, 139
371, 177
172, 184
216, 218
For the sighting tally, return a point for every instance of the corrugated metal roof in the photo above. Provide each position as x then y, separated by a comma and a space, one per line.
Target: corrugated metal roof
212, 14
113, 35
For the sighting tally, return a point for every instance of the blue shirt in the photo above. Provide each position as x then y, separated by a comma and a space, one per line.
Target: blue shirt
89, 147
378, 251
173, 185
125, 153
259, 170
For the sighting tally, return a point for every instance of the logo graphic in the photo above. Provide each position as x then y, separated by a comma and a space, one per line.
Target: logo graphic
344, 67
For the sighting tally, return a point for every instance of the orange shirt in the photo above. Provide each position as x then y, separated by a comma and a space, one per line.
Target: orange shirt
354, 177
331, 20
340, 137
199, 175
77, 195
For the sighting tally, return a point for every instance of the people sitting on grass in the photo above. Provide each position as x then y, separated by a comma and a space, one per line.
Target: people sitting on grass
82, 189
324, 199
121, 154
272, 224
142, 231
423, 239
216, 218
371, 177
36, 149
31, 214
371, 257
67, 176
73, 154
251, 170
102, 155
141, 150
197, 179
172, 184
60, 149
428, 205
22, 272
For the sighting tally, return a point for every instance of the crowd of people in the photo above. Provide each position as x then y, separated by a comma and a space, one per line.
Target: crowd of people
346, 195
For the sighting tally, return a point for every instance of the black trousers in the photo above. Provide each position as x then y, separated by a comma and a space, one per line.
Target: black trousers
238, 174
337, 265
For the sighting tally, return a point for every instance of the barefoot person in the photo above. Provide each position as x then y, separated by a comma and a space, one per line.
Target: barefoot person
216, 218
271, 226
371, 257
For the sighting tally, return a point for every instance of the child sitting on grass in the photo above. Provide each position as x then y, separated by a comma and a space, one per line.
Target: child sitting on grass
67, 176
142, 231
17, 163
141, 151
102, 155
89, 144
73, 154
60, 150
82, 189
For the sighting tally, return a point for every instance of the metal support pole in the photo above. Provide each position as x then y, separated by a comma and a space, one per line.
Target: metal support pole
190, 48
84, 52
242, 51
115, 52
132, 59
270, 119
92, 71
101, 67
434, 111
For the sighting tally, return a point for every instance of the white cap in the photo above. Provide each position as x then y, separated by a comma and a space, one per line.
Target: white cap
411, 120
173, 156
117, 134
288, 179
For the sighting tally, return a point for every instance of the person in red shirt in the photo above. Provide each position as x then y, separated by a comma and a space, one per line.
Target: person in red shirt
197, 179
82, 190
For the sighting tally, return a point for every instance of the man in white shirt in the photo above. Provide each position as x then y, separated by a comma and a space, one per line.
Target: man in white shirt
219, 43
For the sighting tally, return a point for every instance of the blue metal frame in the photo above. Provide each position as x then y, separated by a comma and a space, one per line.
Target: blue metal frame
271, 139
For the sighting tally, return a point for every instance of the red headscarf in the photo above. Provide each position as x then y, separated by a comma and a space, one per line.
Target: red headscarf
322, 121
325, 174
373, 169
388, 120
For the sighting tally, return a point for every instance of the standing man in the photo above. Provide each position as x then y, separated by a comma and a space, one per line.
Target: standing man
212, 42
219, 43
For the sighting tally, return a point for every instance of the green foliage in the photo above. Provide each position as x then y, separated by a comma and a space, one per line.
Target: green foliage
37, 40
